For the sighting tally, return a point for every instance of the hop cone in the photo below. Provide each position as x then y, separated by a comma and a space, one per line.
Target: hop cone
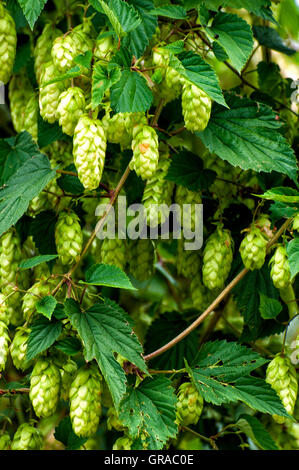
196, 107
10, 257
296, 222
19, 92
42, 50
116, 129
5, 441
133, 120
67, 371
253, 249
31, 116
18, 349
38, 204
89, 151
113, 421
142, 258
170, 86
122, 443
67, 47
217, 258
71, 107
188, 200
4, 311
280, 270
113, 251
68, 237
188, 262
145, 151
189, 405
85, 401
281, 375
4, 345
44, 388
27, 438
33, 295
8, 43
201, 296
49, 94
104, 48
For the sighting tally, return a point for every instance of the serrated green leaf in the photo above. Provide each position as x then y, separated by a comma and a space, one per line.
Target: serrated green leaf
46, 306
279, 210
69, 346
107, 275
150, 409
43, 334
293, 256
254, 429
84, 59
131, 93
49, 133
32, 9
138, 39
36, 261
171, 11
243, 135
219, 52
69, 183
123, 17
270, 38
65, 434
269, 308
42, 229
282, 194
102, 80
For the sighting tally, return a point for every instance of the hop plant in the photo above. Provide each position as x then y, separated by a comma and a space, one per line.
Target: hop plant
49, 94
36, 292
4, 345
68, 237
44, 387
122, 443
281, 375
142, 258
169, 80
217, 258
18, 349
189, 405
104, 48
85, 401
280, 268
5, 441
89, 151
188, 262
71, 107
27, 437
253, 248
296, 222
113, 251
8, 44
196, 107
42, 50
145, 151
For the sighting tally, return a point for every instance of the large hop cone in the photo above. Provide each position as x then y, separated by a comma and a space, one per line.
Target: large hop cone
27, 437
8, 43
114, 252
217, 258
19, 92
44, 388
33, 295
142, 259
201, 296
49, 94
18, 349
68, 237
5, 441
122, 443
188, 262
196, 107
85, 401
281, 375
253, 249
116, 129
43, 46
145, 151
189, 405
190, 212
280, 269
70, 108
4, 345
89, 151
67, 371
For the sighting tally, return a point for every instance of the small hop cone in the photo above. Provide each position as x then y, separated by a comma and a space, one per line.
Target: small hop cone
31, 116
113, 421
27, 437
132, 120
196, 107
142, 259
19, 92
10, 257
122, 443
68, 237
114, 252
44, 388
281, 375
85, 401
217, 258
4, 345
103, 49
67, 47
89, 151
188, 262
8, 44
67, 372
145, 151
49, 94
71, 107
18, 349
189, 405
5, 441
36, 292
253, 249
201, 296
42, 50
170, 86
280, 268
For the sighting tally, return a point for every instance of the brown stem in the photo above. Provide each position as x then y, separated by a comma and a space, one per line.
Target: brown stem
156, 116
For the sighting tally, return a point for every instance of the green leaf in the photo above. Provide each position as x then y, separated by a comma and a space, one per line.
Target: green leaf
244, 136
176, 47
123, 17
150, 409
192, 67
48, 133
22, 57
43, 334
270, 38
131, 93
72, 73
35, 261
46, 306
279, 210
26, 183
84, 60
219, 52
282, 194
269, 308
293, 256
171, 11
69, 346
65, 434
106, 329
187, 169
138, 39
32, 9
254, 429
102, 80
69, 183
234, 35
43, 231
107, 275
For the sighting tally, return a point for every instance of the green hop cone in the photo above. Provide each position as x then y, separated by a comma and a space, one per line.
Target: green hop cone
281, 375
142, 259
42, 50
189, 405
71, 107
5, 441
49, 94
188, 262
67, 371
113, 421
280, 268
145, 151
217, 258
27, 437
4, 311
4, 345
18, 349
132, 120
19, 92
33, 295
196, 107
116, 129
201, 296
253, 249
67, 47
122, 443
68, 237
104, 47
44, 388
31, 116
89, 151
114, 252
170, 81
10, 257
8, 44
85, 401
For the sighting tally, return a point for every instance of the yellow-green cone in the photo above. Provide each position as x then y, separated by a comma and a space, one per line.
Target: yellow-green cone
44, 388
145, 151
189, 405
4, 345
8, 44
196, 106
280, 268
68, 237
71, 107
27, 437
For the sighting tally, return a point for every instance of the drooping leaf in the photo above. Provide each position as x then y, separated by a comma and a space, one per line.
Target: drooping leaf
65, 434
32, 9
171, 11
138, 39
269, 308
36, 261
43, 334
107, 275
122, 16
42, 229
46, 306
282, 194
69, 346
270, 38
254, 429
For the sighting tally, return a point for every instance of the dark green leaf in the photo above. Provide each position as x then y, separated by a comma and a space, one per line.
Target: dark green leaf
46, 306
293, 256
131, 93
69, 346
102, 80
43, 334
65, 434
122, 16
107, 275
43, 231
283, 194
138, 39
69, 183
269, 308
32, 9
254, 429
270, 38
48, 133
171, 11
